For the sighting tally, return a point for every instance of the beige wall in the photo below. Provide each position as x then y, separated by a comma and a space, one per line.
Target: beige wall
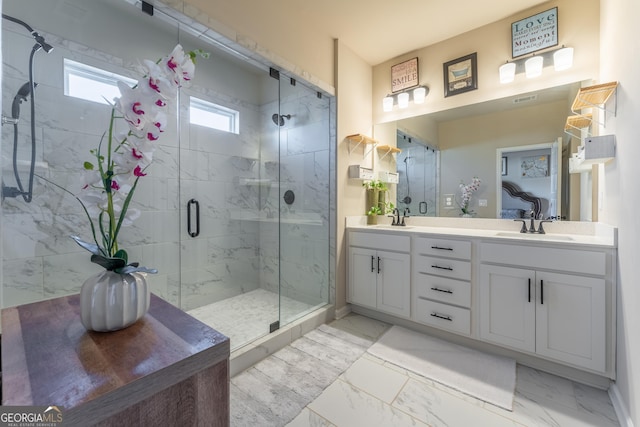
353, 85
578, 27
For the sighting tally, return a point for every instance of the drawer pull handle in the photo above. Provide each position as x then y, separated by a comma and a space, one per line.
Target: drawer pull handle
439, 316
446, 291
441, 249
529, 289
541, 291
442, 268
372, 259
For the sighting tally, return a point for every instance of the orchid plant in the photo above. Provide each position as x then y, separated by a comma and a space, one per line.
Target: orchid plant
122, 159
467, 191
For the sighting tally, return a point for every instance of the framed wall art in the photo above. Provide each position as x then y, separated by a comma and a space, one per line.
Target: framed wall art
404, 75
534, 33
461, 75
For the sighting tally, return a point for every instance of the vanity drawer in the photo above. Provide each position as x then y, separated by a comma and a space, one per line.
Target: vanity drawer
442, 289
443, 316
548, 258
459, 249
452, 268
388, 242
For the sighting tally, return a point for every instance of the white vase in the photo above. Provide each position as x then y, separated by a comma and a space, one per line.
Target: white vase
110, 301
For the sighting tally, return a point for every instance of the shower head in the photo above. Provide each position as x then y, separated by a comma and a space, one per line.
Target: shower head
278, 119
23, 92
40, 43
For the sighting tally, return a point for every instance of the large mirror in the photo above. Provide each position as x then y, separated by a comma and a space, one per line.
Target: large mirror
516, 142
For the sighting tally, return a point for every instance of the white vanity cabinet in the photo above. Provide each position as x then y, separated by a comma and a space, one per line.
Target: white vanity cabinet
554, 302
379, 272
441, 280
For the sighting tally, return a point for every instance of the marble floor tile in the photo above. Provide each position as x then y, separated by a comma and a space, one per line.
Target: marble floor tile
308, 418
323, 373
378, 380
345, 405
533, 382
438, 408
327, 379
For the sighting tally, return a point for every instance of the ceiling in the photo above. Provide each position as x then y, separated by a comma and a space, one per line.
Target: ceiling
379, 30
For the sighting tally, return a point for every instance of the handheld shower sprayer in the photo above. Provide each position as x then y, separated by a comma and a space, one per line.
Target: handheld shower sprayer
21, 96
25, 90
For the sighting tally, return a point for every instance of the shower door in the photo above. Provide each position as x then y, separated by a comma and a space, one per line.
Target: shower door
302, 199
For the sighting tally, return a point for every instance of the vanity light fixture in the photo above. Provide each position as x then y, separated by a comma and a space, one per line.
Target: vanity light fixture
507, 72
403, 100
417, 94
561, 58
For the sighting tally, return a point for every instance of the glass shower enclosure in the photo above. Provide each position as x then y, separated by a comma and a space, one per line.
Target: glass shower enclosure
234, 210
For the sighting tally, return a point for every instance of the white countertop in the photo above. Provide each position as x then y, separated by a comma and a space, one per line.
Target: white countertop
559, 232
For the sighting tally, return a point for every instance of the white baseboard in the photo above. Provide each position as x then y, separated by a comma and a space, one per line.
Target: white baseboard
622, 411
340, 313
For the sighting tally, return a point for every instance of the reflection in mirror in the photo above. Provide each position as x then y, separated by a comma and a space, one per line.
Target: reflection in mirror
465, 141
530, 182
417, 175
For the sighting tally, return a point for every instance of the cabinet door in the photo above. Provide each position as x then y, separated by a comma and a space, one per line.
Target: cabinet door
507, 306
394, 286
570, 319
363, 272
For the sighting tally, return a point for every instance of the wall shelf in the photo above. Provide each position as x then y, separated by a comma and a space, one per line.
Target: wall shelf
595, 96
577, 123
359, 139
385, 150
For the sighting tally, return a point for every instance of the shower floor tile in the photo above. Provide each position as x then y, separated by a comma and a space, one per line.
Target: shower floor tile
246, 317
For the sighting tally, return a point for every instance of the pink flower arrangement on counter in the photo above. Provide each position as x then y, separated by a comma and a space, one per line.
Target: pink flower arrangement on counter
467, 191
122, 159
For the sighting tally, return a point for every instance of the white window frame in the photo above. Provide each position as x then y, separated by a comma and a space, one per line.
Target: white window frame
230, 117
92, 74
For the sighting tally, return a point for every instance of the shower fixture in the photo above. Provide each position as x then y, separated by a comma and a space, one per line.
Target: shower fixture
278, 119
21, 96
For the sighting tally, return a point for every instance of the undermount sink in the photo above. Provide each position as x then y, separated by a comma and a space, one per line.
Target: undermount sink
394, 227
534, 236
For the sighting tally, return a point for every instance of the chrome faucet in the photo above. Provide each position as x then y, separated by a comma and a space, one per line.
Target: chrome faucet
532, 226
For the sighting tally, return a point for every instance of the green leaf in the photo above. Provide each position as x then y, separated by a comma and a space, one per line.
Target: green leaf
121, 254
110, 264
88, 166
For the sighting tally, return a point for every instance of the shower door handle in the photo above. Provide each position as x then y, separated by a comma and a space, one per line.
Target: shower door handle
189, 230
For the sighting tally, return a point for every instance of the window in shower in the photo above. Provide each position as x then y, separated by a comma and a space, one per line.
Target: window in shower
213, 116
92, 84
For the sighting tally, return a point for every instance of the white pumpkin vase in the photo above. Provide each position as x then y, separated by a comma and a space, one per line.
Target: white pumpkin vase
110, 301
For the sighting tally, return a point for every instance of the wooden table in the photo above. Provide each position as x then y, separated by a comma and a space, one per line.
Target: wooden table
168, 369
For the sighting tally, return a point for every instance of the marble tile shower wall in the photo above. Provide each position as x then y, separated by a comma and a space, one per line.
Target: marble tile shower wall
40, 261
421, 166
302, 270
